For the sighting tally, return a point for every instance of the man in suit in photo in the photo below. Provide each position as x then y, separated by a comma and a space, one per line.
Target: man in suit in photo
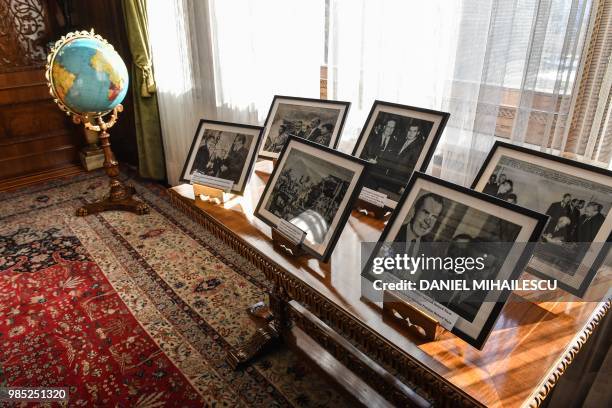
231, 167
312, 130
202, 162
427, 209
491, 187
378, 143
574, 215
590, 222
406, 152
560, 209
401, 158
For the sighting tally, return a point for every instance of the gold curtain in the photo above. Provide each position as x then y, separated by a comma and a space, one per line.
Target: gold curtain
148, 131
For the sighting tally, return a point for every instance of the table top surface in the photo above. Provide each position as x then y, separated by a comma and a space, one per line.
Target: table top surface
527, 342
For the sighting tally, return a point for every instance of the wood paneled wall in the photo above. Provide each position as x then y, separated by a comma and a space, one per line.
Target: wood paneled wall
35, 136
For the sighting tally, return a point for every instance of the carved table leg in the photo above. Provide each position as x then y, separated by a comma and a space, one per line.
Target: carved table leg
279, 305
266, 335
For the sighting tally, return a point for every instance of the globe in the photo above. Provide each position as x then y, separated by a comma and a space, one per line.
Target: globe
88, 80
86, 75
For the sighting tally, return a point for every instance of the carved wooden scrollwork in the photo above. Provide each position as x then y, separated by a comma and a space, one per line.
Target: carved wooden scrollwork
22, 30
540, 394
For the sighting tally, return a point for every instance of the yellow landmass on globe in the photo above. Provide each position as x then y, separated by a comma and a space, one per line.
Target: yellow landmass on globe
99, 63
62, 79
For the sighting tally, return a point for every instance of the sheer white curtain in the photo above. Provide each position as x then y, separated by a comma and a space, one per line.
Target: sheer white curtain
394, 51
502, 68
225, 60
265, 48
182, 51
518, 83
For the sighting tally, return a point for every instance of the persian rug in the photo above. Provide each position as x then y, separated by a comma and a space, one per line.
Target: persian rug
129, 310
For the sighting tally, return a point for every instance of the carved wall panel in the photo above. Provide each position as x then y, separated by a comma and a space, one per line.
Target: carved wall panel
23, 29
36, 138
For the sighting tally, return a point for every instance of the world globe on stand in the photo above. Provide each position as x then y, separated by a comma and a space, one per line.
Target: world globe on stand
87, 76
88, 80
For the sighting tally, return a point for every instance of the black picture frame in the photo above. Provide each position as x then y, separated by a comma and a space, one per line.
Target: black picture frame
345, 212
430, 143
257, 132
581, 289
278, 99
541, 219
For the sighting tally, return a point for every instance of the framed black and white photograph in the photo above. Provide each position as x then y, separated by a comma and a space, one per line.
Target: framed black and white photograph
314, 188
222, 154
316, 120
397, 139
576, 196
436, 218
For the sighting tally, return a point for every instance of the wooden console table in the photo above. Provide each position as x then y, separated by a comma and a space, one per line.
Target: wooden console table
529, 349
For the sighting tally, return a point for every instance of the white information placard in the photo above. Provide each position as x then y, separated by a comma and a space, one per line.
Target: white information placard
213, 182
290, 231
373, 197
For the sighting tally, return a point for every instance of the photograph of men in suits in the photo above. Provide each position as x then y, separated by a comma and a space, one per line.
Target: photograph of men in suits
564, 197
394, 145
499, 185
223, 154
440, 227
577, 225
314, 123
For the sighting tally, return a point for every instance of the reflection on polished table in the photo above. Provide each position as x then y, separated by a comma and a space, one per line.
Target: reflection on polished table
530, 346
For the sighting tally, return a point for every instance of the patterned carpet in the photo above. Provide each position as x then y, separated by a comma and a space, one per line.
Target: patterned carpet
130, 310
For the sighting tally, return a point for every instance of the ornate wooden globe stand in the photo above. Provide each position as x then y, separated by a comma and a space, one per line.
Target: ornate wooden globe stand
120, 195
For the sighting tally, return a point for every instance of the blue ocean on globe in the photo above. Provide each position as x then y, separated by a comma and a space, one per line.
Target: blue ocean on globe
89, 76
